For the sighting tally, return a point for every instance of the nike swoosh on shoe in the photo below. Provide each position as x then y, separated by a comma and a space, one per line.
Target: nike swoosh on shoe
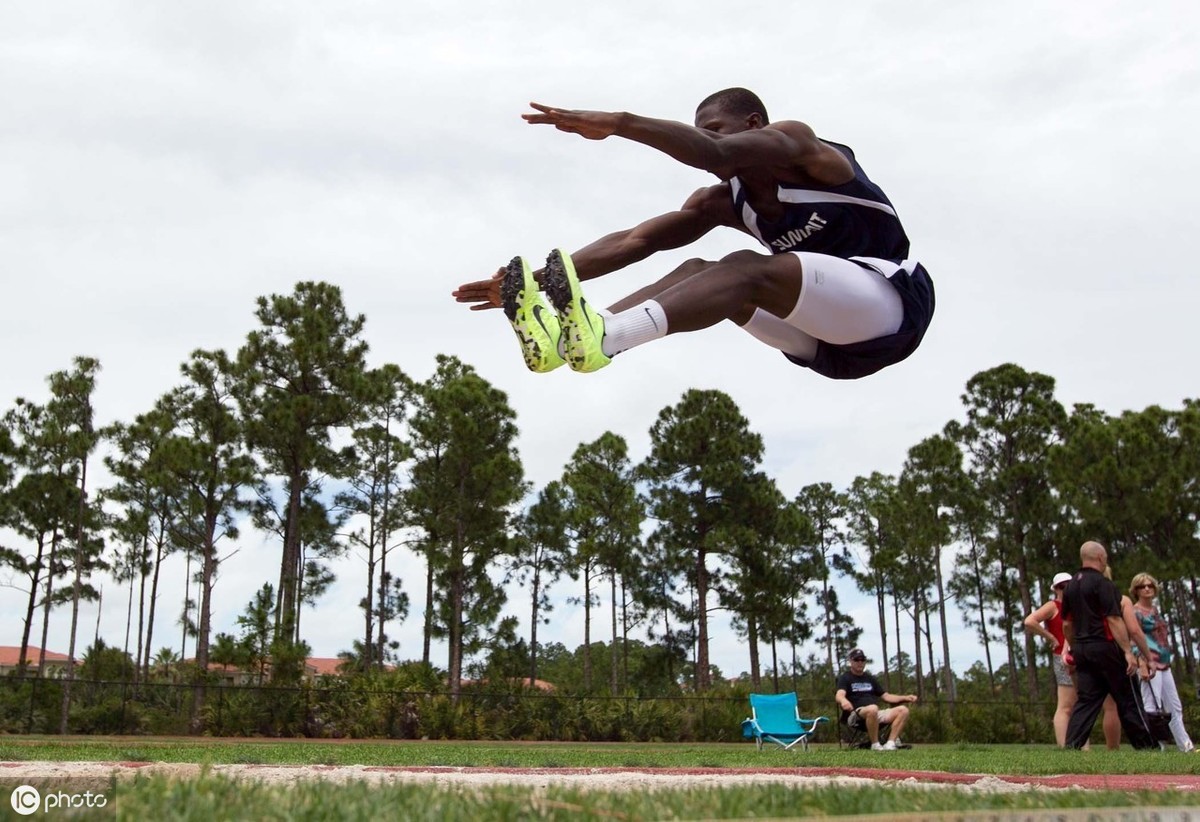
538, 309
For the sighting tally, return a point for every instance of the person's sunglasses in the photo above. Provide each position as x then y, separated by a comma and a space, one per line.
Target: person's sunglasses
1148, 585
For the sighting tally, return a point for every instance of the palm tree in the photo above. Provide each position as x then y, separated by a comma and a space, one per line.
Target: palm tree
164, 663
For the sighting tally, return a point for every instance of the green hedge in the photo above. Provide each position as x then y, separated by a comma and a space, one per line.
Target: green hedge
405, 705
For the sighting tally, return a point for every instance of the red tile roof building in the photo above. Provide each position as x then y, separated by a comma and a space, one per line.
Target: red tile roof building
10, 659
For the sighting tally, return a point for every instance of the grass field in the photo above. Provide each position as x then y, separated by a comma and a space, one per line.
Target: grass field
210, 798
961, 758
218, 796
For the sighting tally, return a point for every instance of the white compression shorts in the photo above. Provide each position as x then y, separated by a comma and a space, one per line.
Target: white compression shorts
841, 302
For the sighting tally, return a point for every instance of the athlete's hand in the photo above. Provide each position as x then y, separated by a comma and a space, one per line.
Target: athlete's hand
484, 293
594, 125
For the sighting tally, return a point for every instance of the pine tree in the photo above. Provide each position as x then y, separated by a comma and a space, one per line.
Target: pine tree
466, 475
207, 457
701, 449
301, 377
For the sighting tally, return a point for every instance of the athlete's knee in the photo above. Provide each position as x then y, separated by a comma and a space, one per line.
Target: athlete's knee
745, 257
763, 268
686, 270
771, 282
695, 264
744, 314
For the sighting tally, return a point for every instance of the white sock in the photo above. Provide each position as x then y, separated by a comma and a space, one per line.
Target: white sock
634, 326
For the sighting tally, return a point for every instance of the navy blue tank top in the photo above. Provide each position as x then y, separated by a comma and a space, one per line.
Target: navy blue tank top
851, 219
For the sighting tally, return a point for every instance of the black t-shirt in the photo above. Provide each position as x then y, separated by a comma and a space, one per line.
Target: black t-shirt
862, 689
1087, 600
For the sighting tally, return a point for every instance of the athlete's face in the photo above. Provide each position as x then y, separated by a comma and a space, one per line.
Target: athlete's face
712, 118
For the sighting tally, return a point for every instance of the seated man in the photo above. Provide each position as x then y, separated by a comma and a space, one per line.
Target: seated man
857, 692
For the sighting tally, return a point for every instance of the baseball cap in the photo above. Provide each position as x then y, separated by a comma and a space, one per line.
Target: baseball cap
1059, 579
857, 653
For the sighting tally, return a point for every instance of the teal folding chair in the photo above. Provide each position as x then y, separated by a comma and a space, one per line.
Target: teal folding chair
776, 718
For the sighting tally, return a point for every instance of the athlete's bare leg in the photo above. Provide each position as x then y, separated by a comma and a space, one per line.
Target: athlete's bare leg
685, 271
731, 289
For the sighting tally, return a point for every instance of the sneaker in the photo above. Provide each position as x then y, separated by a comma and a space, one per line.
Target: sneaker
875, 746
890, 745
536, 325
582, 326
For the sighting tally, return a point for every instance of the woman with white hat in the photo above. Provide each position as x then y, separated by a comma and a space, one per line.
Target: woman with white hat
1046, 622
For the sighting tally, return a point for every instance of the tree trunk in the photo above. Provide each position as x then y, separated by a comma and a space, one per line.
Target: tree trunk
624, 635
899, 648
670, 640
1186, 600
881, 611
46, 602
752, 641
158, 560
614, 651
833, 672
795, 665
455, 634
918, 667
949, 674
31, 608
137, 665
99, 613
187, 598
428, 633
76, 591
774, 665
933, 670
384, 519
382, 613
300, 560
1010, 646
703, 678
289, 575
533, 622
208, 573
369, 600
129, 616
1025, 593
983, 630
587, 627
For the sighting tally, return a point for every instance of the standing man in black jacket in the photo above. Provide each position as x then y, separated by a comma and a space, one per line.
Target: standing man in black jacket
1101, 648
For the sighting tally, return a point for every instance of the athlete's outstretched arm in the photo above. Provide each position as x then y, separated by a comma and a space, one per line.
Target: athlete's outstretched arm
786, 145
703, 211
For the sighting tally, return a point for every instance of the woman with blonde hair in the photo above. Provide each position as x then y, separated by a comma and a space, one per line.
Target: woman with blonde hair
1159, 691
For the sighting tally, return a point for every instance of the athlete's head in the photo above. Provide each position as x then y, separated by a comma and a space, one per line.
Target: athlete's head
730, 111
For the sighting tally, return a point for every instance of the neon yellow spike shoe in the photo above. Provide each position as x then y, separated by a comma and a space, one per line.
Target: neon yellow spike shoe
535, 322
582, 327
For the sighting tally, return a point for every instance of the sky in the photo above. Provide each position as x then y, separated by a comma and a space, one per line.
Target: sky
162, 165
